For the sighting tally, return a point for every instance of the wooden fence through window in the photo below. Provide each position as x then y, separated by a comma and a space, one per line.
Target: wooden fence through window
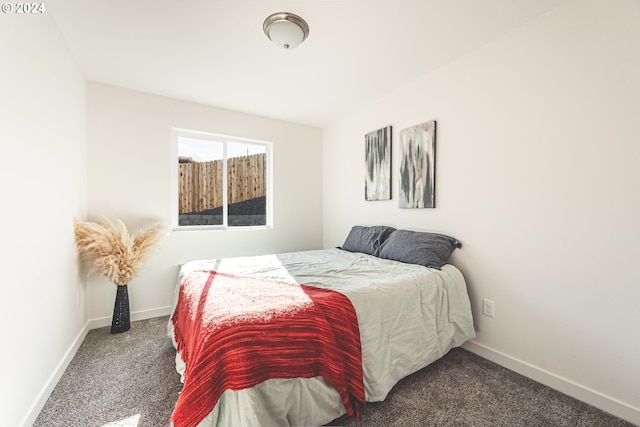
200, 183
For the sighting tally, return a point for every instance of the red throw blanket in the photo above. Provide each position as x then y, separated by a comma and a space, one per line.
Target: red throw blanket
235, 332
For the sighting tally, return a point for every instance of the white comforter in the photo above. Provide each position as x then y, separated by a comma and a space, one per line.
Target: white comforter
409, 316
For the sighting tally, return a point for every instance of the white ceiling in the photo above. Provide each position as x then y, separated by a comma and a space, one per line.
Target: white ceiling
215, 52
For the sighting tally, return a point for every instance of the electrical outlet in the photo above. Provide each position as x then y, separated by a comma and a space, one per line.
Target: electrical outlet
488, 308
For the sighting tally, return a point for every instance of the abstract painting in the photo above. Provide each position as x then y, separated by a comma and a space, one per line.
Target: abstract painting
377, 158
417, 166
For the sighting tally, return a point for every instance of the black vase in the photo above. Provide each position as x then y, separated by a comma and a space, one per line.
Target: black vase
120, 320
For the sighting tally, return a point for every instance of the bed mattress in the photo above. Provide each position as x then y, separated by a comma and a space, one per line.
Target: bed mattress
408, 315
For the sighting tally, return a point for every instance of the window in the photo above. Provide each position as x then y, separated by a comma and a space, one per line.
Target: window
220, 181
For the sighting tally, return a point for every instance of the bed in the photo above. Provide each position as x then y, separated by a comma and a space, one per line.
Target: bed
409, 311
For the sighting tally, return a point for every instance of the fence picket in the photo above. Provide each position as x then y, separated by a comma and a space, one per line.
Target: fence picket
200, 183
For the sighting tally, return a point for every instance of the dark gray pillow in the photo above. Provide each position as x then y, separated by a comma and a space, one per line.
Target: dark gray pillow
415, 247
367, 239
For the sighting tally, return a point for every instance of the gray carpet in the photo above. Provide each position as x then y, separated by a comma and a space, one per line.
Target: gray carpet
117, 376
131, 376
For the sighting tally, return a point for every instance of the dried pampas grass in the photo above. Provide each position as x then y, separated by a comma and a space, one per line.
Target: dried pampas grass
115, 254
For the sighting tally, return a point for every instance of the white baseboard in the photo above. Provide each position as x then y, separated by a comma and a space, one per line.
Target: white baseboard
46, 391
573, 389
51, 383
101, 322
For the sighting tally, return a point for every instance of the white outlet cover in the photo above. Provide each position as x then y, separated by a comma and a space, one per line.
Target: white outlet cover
488, 308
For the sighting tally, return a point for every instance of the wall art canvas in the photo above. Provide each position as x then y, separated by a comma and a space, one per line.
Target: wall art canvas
377, 158
417, 166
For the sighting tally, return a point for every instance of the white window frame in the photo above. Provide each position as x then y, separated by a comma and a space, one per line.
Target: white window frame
206, 136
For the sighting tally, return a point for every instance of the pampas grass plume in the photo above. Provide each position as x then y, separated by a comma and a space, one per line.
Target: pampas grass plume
115, 254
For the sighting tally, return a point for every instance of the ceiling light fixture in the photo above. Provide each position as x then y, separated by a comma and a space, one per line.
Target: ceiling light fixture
285, 29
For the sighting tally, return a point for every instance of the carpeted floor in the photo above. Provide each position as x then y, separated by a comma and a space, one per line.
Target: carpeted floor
129, 380
116, 377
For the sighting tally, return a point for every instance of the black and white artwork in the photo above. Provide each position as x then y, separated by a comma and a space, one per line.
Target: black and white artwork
377, 158
417, 166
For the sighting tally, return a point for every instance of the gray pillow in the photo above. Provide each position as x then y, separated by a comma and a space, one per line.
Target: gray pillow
366, 239
414, 247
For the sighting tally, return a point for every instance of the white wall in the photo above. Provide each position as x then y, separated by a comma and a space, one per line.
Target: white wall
43, 185
537, 150
129, 178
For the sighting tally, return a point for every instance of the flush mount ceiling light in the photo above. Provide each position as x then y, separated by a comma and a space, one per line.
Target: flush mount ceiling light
285, 29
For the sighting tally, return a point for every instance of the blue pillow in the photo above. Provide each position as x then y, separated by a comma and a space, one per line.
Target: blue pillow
415, 247
366, 239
